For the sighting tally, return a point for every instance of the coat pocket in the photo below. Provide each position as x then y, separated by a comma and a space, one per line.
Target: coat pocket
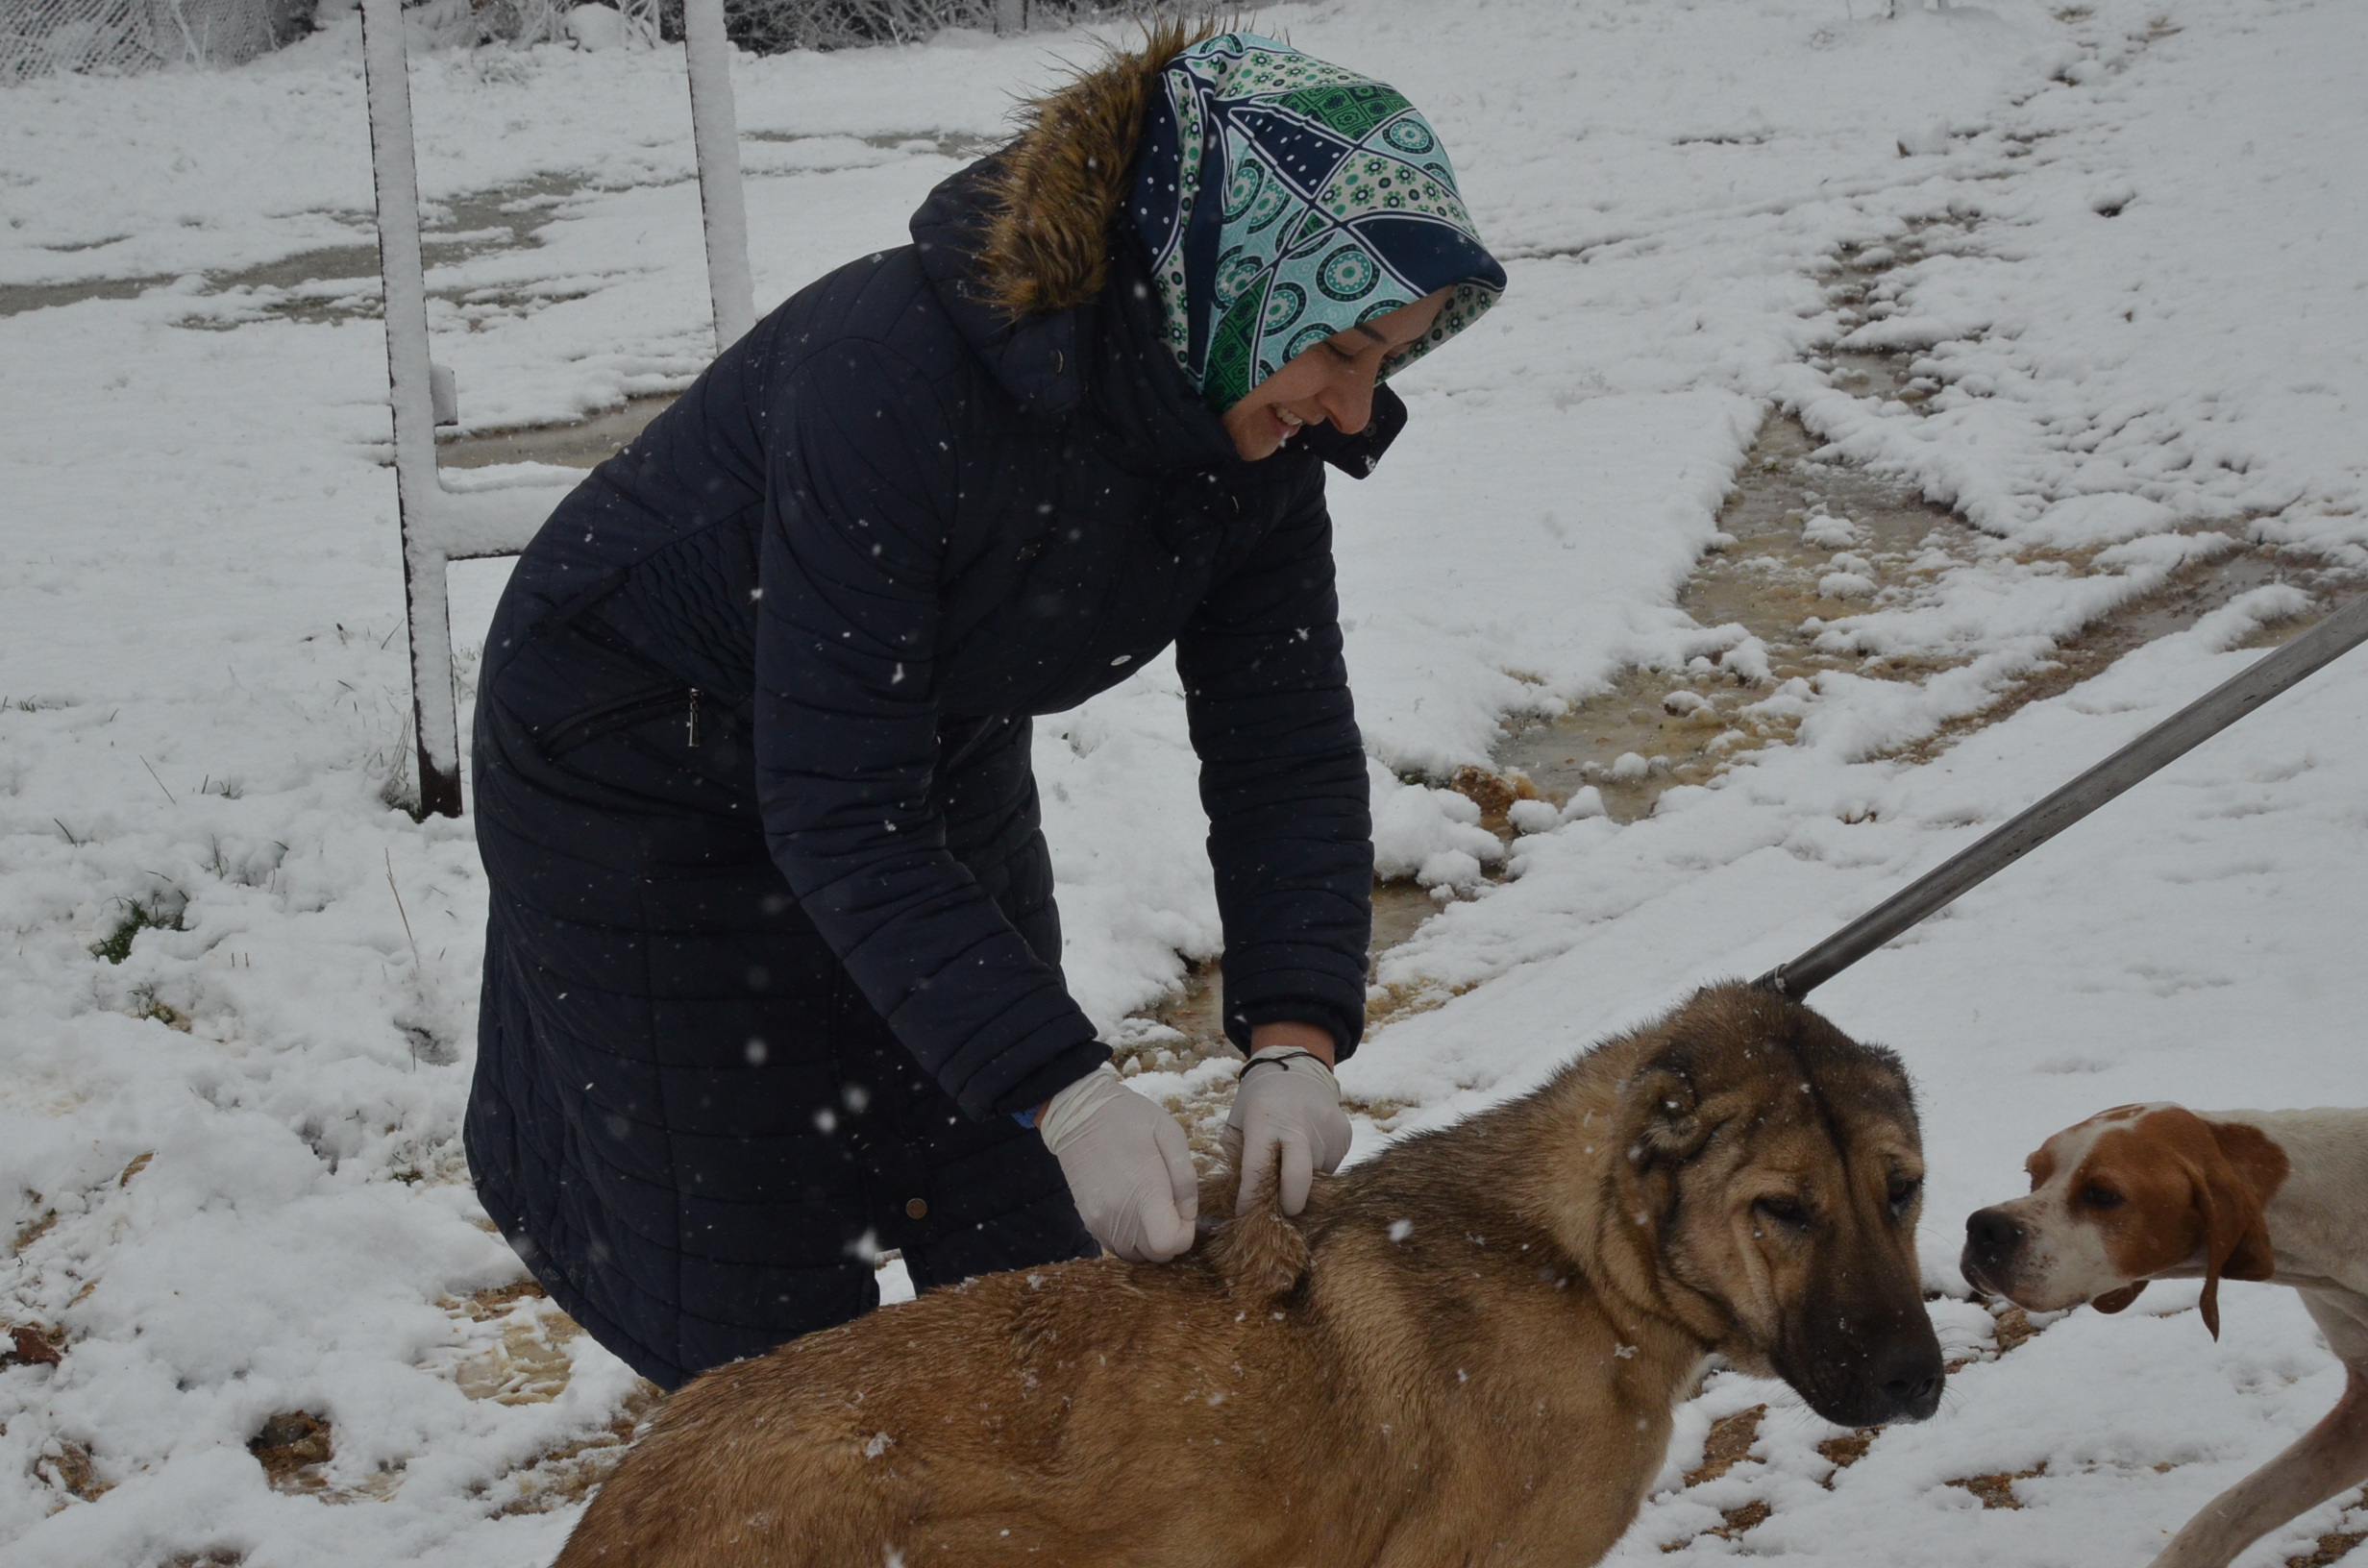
640, 707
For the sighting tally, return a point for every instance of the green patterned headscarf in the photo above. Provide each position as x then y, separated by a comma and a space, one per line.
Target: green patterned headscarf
1283, 200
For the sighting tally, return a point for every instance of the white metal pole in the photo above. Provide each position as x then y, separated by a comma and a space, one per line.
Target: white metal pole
387, 78
715, 137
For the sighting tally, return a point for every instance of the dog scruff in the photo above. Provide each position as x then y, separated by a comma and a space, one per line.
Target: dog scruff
1465, 1352
2157, 1192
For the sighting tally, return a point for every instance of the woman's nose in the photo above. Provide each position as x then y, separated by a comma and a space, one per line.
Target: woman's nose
1349, 401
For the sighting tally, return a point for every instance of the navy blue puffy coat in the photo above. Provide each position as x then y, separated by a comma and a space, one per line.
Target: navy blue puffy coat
773, 949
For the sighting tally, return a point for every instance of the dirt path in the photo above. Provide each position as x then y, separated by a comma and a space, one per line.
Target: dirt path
1804, 543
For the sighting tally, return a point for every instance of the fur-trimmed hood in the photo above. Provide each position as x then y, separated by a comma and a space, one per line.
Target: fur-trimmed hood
1056, 193
1022, 249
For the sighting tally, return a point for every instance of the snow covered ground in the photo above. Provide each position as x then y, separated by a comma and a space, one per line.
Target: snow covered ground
2131, 284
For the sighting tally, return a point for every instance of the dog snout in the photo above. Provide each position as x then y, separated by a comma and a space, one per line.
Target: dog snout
1911, 1377
1992, 1236
1865, 1367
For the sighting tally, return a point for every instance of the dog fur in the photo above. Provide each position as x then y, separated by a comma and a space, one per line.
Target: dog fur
2157, 1192
1466, 1351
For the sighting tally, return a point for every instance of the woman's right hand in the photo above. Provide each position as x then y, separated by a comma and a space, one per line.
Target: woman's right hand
1128, 1166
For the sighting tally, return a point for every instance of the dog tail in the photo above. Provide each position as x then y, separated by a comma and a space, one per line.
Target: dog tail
1262, 1254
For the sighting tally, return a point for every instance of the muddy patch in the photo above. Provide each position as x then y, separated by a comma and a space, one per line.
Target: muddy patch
1804, 545
341, 281
338, 282
1188, 1027
520, 1352
964, 145
1801, 543
585, 444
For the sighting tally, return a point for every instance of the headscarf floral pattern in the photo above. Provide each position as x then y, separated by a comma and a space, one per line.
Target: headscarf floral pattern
1283, 200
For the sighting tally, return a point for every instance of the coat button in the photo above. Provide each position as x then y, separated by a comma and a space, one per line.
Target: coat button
916, 1209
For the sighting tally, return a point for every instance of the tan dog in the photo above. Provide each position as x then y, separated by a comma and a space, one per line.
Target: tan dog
1466, 1351
2156, 1191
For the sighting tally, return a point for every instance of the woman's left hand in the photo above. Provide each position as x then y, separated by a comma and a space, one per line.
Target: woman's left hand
1287, 1123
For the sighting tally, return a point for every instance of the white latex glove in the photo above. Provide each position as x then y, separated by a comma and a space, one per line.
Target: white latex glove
1128, 1165
1287, 1124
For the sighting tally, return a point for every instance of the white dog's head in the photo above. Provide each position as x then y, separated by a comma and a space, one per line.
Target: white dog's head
2133, 1192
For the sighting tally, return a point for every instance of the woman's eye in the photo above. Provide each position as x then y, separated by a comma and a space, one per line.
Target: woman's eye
2100, 1197
1784, 1212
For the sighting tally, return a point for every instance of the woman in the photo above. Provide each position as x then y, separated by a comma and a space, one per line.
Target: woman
773, 973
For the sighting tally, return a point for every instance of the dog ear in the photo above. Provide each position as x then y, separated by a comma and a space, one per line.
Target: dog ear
1665, 1111
2113, 1301
2235, 1236
2256, 1168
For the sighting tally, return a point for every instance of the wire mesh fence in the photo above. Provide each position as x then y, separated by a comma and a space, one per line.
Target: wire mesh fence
772, 27
39, 37
120, 36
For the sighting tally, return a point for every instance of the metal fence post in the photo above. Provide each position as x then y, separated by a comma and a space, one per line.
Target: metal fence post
715, 136
441, 526
434, 718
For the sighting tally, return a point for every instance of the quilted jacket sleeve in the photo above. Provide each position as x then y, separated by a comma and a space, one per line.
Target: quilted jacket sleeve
1283, 779
860, 493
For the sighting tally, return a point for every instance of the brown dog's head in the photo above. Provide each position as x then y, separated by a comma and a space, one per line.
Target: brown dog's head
2136, 1192
1777, 1165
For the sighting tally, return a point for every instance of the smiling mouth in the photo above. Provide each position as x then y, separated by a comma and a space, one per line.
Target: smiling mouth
1286, 424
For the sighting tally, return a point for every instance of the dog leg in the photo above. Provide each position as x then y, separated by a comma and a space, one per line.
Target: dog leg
2323, 1460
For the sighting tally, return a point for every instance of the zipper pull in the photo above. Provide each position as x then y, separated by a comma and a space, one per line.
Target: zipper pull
692, 726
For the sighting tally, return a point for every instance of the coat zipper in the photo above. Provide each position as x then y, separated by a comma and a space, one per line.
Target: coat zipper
692, 726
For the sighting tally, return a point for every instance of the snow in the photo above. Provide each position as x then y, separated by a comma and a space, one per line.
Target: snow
2119, 243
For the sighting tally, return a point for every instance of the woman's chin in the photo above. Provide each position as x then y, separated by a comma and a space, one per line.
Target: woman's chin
1255, 439
1260, 433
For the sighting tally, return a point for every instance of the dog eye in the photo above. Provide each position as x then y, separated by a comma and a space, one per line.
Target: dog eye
1903, 1192
1784, 1212
2100, 1197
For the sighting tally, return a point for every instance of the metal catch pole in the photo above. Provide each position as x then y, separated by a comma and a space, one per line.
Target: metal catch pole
2168, 741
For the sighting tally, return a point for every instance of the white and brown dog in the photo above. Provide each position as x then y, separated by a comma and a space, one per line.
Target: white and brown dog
2156, 1192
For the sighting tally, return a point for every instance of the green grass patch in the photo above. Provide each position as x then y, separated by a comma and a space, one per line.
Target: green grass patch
140, 915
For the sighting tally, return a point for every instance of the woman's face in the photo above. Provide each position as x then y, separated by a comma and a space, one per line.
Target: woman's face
1333, 380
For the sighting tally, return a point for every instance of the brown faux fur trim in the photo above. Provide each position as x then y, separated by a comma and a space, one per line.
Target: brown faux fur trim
1060, 186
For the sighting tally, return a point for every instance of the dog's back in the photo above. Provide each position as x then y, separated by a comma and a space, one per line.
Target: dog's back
1466, 1351
980, 1422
